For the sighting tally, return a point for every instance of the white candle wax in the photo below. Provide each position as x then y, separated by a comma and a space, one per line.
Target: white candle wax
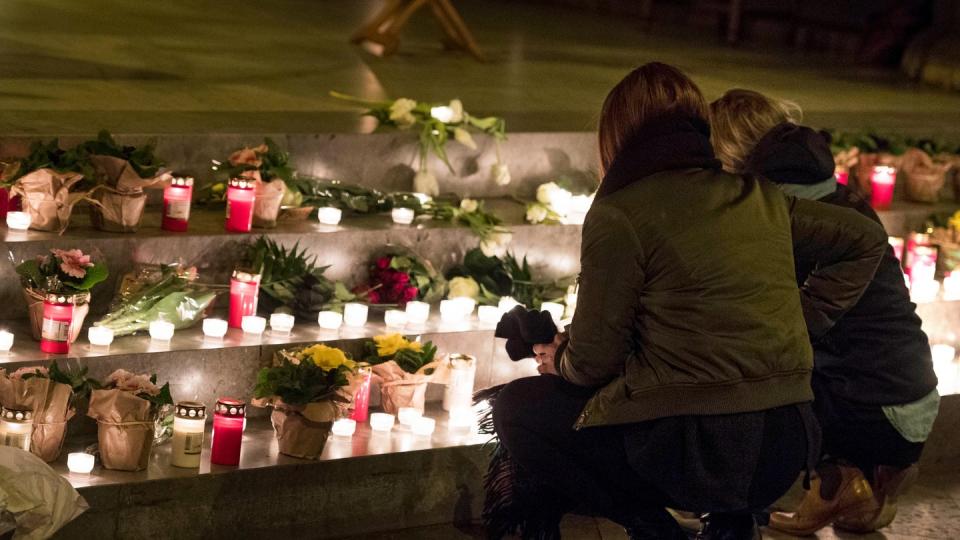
489, 314
402, 216
80, 462
329, 216
100, 336
329, 320
253, 325
395, 318
554, 309
507, 303
215, 328
924, 291
381, 421
424, 426
945, 367
467, 305
951, 286
408, 415
161, 330
344, 427
452, 311
18, 221
355, 314
460, 417
6, 341
281, 323
418, 312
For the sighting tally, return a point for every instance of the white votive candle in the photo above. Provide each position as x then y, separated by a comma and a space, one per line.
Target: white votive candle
161, 330
329, 320
923, 291
381, 421
402, 216
451, 311
18, 221
80, 462
418, 312
424, 426
408, 415
100, 336
394, 318
329, 215
489, 314
253, 325
467, 305
214, 328
554, 309
281, 323
355, 314
460, 417
951, 286
945, 367
507, 303
6, 341
344, 427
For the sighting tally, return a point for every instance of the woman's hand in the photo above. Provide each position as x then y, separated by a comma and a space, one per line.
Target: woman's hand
546, 355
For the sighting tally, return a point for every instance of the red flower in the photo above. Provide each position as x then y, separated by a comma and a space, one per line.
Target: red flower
373, 297
410, 294
403, 278
383, 263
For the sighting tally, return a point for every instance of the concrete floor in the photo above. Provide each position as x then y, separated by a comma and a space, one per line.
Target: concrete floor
248, 66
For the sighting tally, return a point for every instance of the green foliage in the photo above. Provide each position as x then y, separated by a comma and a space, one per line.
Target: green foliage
158, 401
299, 383
76, 379
480, 222
408, 360
45, 273
507, 276
142, 159
349, 197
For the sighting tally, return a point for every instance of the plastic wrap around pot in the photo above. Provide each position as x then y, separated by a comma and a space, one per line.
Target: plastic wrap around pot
34, 300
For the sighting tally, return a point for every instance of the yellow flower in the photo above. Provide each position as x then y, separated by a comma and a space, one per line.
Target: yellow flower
327, 358
391, 344
954, 221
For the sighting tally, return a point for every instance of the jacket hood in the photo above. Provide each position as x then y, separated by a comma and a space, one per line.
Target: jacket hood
792, 154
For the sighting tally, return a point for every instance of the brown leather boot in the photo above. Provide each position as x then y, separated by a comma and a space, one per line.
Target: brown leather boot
853, 493
888, 484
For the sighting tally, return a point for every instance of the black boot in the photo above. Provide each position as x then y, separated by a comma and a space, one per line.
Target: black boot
729, 527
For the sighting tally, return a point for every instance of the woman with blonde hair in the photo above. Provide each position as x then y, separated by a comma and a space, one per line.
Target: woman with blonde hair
685, 380
873, 380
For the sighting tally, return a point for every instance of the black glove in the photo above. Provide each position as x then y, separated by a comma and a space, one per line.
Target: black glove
523, 329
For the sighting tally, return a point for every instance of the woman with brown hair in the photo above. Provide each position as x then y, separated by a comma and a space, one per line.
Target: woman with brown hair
873, 380
685, 381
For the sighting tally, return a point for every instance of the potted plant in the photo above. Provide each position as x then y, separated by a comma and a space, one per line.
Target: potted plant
48, 184
402, 368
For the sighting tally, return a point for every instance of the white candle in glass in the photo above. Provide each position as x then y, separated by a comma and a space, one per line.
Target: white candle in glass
381, 421
80, 462
394, 318
281, 323
18, 221
424, 426
923, 291
329, 320
100, 336
460, 417
554, 309
467, 305
215, 328
6, 341
329, 215
507, 303
402, 216
418, 312
408, 415
489, 314
355, 314
161, 330
253, 325
459, 389
344, 427
451, 311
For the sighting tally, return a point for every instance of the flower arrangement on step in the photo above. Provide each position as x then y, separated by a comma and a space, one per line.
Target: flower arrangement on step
308, 388
557, 204
469, 213
397, 278
268, 166
52, 393
402, 368
487, 279
69, 274
158, 292
128, 409
437, 123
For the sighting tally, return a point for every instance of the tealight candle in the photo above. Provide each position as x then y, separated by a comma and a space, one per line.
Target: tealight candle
344, 427
951, 286
507, 303
402, 216
355, 314
554, 309
329, 320
381, 421
489, 314
18, 221
329, 215
418, 312
452, 311
6, 341
467, 305
424, 426
80, 462
161, 330
924, 291
214, 328
882, 181
100, 336
460, 417
408, 415
281, 323
253, 325
395, 318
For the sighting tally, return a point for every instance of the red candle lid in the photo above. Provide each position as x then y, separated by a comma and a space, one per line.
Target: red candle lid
242, 183
231, 407
182, 181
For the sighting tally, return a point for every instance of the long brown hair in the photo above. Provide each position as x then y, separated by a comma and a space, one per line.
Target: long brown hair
650, 91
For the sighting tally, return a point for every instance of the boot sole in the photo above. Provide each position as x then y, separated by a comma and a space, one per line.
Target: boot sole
863, 506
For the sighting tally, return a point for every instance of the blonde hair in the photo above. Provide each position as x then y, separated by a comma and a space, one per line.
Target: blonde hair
740, 118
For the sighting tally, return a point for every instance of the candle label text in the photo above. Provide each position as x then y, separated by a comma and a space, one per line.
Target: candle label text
181, 210
55, 330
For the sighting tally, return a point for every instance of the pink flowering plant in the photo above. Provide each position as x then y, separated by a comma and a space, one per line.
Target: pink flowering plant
143, 386
62, 271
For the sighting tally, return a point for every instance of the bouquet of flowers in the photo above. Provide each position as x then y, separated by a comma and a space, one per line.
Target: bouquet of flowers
487, 279
402, 368
127, 409
70, 273
557, 204
308, 389
269, 166
397, 279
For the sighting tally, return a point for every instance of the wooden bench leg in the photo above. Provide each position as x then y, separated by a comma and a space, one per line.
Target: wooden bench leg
460, 28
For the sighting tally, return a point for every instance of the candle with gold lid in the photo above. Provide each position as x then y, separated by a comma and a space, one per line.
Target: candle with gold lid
16, 427
187, 442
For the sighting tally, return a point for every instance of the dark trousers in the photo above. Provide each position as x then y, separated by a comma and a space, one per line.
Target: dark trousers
615, 471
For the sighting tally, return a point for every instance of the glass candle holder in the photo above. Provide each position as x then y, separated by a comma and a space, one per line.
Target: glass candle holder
6, 341
945, 367
329, 320
16, 427
215, 328
842, 175
923, 265
417, 312
55, 328
355, 314
452, 311
176, 204
329, 216
241, 196
507, 303
281, 323
187, 443
18, 221
80, 462
424, 426
460, 418
914, 240
394, 318
161, 330
244, 291
402, 216
897, 244
489, 315
100, 336
228, 421
924, 291
361, 399
883, 178
381, 421
344, 427
459, 390
554, 309
253, 325
408, 415
466, 305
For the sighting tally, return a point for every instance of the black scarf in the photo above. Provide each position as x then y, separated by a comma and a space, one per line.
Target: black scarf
666, 143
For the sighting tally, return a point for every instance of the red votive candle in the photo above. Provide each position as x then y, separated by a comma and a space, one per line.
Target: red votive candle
914, 241
882, 180
4, 203
244, 288
361, 400
227, 432
842, 176
176, 204
240, 198
55, 329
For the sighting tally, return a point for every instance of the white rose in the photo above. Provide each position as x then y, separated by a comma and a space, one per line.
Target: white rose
545, 192
469, 205
401, 112
500, 174
536, 213
463, 137
425, 182
464, 287
456, 111
496, 244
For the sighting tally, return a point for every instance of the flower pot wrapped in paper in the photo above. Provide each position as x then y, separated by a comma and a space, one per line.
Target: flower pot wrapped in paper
46, 195
126, 410
924, 177
308, 389
35, 299
266, 207
402, 368
121, 198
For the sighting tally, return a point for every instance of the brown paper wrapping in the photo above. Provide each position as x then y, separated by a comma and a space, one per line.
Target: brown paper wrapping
124, 429
302, 431
46, 196
266, 207
923, 176
34, 300
122, 200
401, 389
51, 404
